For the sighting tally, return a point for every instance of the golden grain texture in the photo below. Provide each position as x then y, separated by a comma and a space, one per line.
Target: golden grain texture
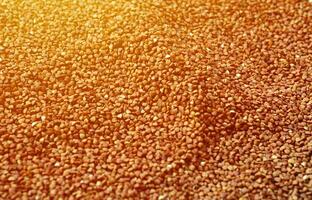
155, 99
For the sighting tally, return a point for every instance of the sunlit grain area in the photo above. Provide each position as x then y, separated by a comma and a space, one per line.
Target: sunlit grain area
155, 99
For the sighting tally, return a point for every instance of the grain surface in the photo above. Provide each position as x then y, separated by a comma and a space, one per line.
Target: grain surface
155, 99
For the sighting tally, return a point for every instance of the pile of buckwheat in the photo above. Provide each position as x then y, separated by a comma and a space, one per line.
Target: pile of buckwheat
155, 99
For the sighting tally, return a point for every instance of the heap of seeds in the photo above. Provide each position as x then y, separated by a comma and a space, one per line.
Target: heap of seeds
151, 99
